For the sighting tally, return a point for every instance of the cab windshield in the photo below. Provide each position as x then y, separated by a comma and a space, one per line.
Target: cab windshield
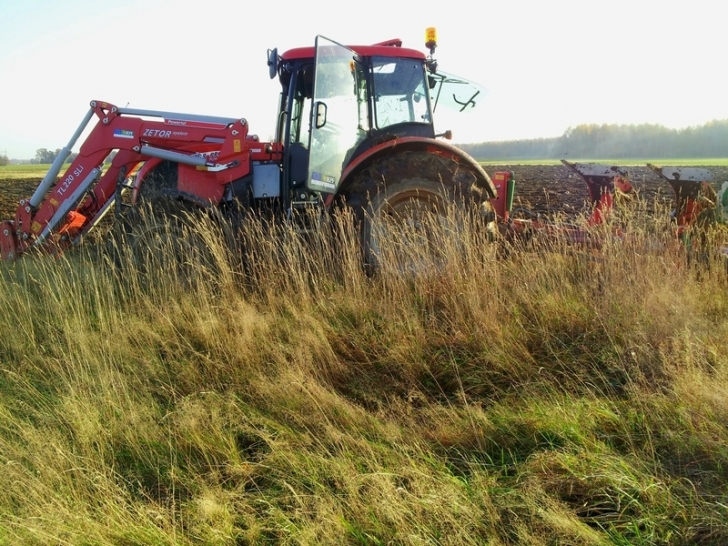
400, 92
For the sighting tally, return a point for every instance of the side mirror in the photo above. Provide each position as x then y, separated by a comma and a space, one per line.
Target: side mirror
273, 62
320, 113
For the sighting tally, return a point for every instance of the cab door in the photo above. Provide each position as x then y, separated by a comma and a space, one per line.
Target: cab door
336, 128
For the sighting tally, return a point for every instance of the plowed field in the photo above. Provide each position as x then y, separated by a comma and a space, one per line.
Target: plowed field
542, 189
12, 191
556, 189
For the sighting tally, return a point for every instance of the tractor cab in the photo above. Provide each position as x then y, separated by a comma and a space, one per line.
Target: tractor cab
340, 104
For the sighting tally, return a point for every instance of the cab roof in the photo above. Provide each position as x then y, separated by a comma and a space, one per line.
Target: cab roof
390, 48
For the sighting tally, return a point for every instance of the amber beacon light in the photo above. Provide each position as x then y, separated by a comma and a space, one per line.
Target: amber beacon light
431, 39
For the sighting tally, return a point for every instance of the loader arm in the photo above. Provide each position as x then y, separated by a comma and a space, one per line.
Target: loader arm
64, 208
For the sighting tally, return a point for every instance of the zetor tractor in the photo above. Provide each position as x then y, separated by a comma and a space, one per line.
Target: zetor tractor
354, 129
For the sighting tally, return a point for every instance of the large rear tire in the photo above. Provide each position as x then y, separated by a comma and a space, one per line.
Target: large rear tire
406, 199
403, 222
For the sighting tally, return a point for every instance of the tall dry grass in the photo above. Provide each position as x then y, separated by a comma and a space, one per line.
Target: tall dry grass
263, 389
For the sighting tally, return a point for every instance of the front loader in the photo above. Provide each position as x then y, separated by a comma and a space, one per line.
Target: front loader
355, 128
205, 152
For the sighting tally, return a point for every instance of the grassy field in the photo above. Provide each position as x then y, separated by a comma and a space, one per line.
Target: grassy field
11, 172
282, 396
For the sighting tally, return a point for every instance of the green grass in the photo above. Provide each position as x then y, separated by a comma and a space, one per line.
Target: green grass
24, 171
282, 396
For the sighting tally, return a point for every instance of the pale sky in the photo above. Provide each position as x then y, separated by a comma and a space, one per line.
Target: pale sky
547, 64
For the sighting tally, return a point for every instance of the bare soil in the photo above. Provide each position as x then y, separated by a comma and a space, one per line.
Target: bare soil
557, 189
12, 191
539, 188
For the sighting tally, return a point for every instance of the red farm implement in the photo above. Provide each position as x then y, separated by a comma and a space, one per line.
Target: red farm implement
602, 183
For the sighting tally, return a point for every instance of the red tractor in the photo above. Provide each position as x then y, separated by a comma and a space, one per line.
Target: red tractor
354, 129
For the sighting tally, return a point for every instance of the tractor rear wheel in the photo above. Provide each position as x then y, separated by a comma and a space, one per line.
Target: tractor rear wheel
410, 201
405, 218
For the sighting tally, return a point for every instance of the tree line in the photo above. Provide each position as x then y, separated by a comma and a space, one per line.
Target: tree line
43, 155
591, 141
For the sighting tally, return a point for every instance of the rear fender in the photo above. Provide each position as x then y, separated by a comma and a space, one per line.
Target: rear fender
429, 145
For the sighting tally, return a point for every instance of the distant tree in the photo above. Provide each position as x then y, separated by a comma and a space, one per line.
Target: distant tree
43, 155
4, 160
